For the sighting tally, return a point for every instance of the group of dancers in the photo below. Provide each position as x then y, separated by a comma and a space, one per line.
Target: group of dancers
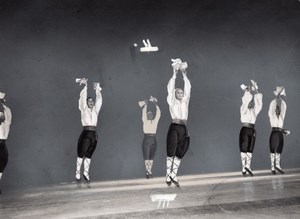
250, 108
178, 139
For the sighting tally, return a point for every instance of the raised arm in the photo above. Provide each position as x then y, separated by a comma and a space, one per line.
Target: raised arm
98, 102
247, 97
258, 103
187, 87
171, 89
144, 112
158, 113
82, 105
7, 114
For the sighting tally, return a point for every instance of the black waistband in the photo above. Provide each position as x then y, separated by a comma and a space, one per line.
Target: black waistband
89, 128
248, 125
150, 134
277, 129
2, 141
179, 121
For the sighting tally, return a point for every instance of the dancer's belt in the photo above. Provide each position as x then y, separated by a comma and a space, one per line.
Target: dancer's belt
179, 121
248, 125
149, 134
89, 128
277, 129
2, 141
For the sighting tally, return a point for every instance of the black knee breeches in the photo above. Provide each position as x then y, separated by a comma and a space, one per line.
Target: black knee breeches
87, 143
276, 141
247, 139
3, 155
149, 147
178, 140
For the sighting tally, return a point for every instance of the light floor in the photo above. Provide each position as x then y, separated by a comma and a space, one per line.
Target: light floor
225, 195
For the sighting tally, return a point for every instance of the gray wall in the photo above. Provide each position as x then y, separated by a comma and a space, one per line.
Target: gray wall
45, 45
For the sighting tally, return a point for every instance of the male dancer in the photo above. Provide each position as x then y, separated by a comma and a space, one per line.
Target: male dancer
5, 121
149, 127
250, 108
276, 113
178, 138
87, 141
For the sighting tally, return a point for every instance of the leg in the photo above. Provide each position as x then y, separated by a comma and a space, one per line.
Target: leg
152, 152
83, 143
278, 153
250, 151
243, 142
3, 158
273, 142
88, 156
172, 141
175, 166
146, 154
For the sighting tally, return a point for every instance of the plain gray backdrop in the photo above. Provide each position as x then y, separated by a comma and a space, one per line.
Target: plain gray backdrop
45, 45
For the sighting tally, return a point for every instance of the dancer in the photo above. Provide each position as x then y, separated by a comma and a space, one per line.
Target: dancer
178, 138
5, 121
88, 139
277, 111
149, 127
250, 108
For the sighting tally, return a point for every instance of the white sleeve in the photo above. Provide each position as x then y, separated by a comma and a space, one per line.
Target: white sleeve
82, 105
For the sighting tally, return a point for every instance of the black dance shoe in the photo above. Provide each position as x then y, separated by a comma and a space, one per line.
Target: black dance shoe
249, 171
244, 173
280, 170
169, 183
273, 171
86, 179
175, 182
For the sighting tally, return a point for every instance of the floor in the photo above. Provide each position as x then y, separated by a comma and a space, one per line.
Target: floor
224, 195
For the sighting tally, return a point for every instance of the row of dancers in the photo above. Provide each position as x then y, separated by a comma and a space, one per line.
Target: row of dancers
178, 139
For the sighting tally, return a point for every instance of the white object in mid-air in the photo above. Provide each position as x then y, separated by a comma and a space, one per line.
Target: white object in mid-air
148, 47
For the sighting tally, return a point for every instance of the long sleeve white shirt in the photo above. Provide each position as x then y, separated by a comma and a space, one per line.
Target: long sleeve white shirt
179, 109
89, 116
5, 126
150, 126
277, 122
250, 115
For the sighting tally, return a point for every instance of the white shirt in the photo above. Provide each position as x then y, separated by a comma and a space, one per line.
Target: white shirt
5, 126
150, 126
250, 115
179, 109
277, 122
89, 116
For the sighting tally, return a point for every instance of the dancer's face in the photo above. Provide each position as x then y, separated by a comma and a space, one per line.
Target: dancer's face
179, 94
90, 102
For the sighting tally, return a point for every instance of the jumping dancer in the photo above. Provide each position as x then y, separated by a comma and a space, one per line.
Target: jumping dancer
149, 127
5, 121
250, 108
178, 138
277, 111
87, 141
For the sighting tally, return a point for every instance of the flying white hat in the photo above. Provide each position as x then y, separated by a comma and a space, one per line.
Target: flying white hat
2, 95
280, 90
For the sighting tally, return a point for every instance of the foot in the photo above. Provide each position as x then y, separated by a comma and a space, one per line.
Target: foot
244, 173
249, 171
87, 179
273, 171
78, 179
279, 170
175, 182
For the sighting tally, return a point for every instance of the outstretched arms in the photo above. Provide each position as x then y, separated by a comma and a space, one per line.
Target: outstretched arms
82, 105
99, 100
